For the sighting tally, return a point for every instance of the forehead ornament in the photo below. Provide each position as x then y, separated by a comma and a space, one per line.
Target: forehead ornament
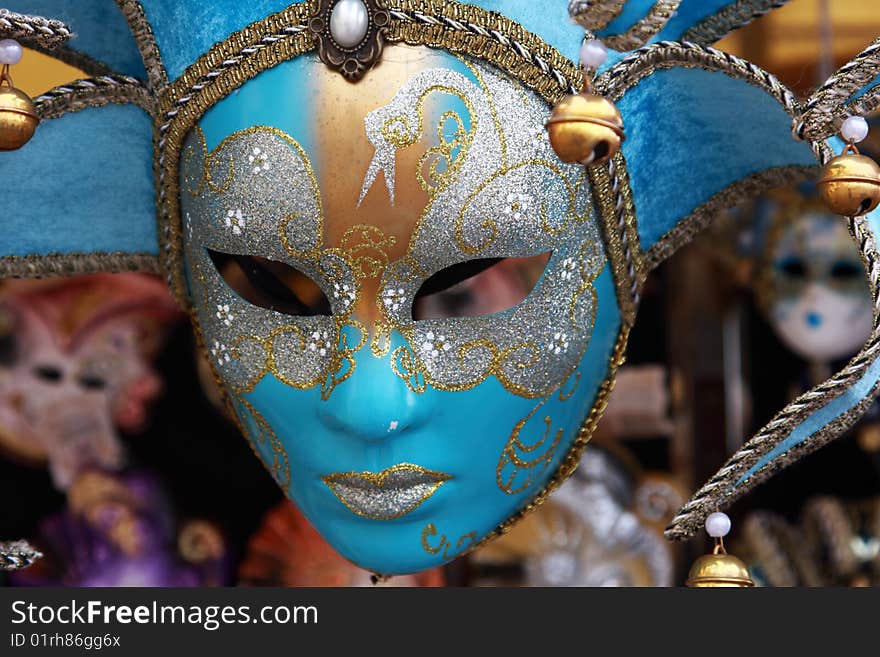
350, 35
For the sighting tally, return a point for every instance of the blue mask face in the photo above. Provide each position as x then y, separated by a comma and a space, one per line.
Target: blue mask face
351, 263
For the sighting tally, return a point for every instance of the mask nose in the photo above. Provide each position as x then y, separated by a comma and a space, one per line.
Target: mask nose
374, 403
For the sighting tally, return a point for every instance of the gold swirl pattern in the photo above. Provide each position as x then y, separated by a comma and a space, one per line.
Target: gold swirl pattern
410, 370
511, 455
366, 247
445, 547
511, 464
399, 125
508, 59
343, 364
279, 468
443, 154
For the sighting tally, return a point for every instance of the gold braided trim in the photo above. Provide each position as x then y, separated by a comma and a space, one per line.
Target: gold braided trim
595, 14
620, 232
228, 65
731, 17
827, 107
699, 219
722, 489
717, 492
33, 31
864, 105
631, 266
573, 458
71, 264
468, 30
146, 44
642, 31
93, 92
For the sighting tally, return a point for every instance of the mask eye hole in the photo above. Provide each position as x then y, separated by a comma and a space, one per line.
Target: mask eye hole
92, 382
48, 373
478, 287
272, 285
794, 267
845, 271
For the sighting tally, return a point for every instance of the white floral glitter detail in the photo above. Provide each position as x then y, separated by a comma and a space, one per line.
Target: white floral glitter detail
235, 221
394, 299
319, 342
434, 345
344, 292
569, 269
220, 353
518, 205
224, 314
559, 344
259, 161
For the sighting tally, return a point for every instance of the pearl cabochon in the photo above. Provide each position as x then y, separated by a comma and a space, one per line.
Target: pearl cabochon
349, 22
10, 52
854, 129
718, 525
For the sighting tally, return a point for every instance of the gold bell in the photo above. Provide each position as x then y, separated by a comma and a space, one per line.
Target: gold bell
850, 184
719, 569
585, 128
18, 117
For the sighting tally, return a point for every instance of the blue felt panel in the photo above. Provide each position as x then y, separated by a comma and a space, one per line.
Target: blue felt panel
691, 134
83, 184
100, 28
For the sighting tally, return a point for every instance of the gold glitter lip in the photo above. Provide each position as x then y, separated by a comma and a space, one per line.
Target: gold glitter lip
386, 495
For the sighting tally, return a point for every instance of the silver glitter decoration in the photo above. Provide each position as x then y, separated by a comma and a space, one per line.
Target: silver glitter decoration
388, 495
256, 194
509, 197
502, 193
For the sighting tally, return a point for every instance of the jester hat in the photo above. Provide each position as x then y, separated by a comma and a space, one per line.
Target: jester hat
222, 132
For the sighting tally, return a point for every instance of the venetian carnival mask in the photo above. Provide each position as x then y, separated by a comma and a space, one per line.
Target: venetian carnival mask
75, 364
416, 311
813, 287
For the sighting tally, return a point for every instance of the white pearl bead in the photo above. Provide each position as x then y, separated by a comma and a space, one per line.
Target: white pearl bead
349, 22
10, 51
593, 54
718, 525
854, 129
